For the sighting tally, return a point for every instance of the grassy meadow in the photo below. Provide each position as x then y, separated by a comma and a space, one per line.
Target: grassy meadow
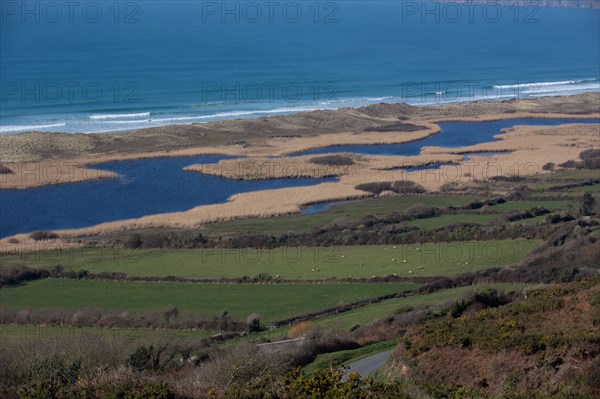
428, 259
272, 301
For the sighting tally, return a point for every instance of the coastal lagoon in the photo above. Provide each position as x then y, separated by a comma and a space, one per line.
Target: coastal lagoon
452, 135
144, 187
152, 186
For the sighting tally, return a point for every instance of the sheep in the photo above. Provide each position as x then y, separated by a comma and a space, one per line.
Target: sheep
410, 272
404, 261
393, 259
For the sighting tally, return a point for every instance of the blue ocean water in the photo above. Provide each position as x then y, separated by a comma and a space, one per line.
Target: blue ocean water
111, 66
151, 186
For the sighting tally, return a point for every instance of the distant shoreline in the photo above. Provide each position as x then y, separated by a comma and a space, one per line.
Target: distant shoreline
589, 4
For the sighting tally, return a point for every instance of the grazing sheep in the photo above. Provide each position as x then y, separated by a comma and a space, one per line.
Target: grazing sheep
393, 259
394, 247
418, 249
466, 263
343, 256
404, 261
313, 270
410, 272
317, 269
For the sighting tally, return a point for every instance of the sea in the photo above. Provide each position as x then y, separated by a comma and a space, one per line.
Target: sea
107, 66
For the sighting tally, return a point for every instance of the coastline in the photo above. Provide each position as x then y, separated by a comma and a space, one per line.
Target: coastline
267, 136
532, 147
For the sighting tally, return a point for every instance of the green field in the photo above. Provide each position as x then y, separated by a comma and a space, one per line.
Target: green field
345, 212
271, 301
435, 259
339, 322
594, 188
366, 314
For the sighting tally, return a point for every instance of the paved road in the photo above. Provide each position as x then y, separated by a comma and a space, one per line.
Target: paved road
367, 365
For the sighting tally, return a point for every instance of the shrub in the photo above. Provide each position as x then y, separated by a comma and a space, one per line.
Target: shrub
417, 211
43, 235
450, 186
587, 205
407, 187
333, 160
253, 322
12, 275
134, 241
299, 329
157, 390
398, 186
591, 159
374, 188
146, 358
549, 166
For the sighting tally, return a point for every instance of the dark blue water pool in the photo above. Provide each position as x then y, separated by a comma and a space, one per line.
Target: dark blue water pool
144, 187
452, 135
151, 186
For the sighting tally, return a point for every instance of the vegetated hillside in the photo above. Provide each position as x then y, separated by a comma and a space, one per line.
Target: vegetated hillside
544, 345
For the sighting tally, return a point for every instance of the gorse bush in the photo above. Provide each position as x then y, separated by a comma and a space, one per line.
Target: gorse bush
43, 235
